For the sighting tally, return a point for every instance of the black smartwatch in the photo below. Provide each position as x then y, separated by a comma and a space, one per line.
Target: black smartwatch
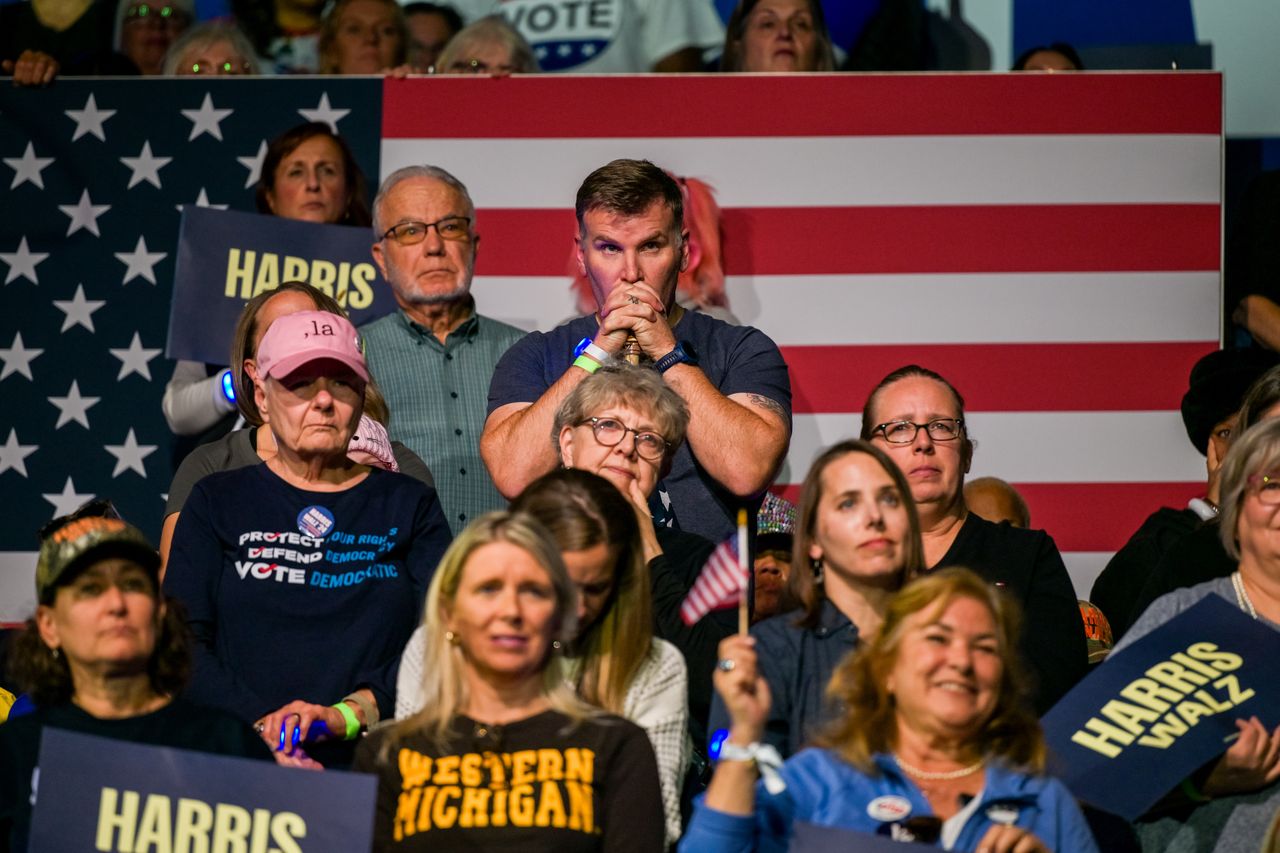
684, 353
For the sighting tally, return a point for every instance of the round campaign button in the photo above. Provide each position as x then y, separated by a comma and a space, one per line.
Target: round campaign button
1003, 813
315, 521
889, 808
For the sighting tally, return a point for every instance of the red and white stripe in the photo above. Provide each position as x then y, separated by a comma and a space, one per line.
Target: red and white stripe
1050, 243
718, 586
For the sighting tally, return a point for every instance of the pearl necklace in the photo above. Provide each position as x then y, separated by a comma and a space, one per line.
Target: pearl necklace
946, 776
1242, 596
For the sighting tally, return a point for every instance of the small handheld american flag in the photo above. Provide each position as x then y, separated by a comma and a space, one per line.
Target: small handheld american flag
723, 581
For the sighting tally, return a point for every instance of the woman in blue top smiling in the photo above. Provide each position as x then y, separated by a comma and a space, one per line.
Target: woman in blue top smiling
936, 745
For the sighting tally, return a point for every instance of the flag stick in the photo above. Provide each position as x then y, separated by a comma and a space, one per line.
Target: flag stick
744, 621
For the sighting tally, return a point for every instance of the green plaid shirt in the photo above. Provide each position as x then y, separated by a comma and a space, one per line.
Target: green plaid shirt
437, 395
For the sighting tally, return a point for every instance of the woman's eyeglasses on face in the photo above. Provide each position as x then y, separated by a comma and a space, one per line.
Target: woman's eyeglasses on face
610, 432
478, 66
904, 432
1266, 487
219, 68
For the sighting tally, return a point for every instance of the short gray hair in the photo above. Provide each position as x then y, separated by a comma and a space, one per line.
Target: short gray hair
207, 34
489, 29
409, 173
1257, 451
638, 387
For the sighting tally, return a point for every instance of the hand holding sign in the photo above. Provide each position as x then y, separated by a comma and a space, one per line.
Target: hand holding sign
1168, 703
1252, 762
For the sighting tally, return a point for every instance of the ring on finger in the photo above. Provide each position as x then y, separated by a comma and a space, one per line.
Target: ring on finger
726, 664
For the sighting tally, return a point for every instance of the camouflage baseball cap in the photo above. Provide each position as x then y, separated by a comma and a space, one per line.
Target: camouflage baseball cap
1097, 631
83, 540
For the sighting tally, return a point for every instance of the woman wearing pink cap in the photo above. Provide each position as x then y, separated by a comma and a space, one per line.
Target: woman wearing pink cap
254, 444
303, 575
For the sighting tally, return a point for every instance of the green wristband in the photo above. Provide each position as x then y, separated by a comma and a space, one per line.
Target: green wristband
587, 363
1189, 788
353, 722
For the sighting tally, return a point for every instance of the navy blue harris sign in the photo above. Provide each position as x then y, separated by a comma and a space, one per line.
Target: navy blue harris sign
226, 257
1149, 716
101, 794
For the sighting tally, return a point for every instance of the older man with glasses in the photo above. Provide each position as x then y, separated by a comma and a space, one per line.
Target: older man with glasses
433, 358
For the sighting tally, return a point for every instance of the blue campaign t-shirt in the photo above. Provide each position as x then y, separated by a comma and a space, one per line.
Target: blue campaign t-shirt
296, 594
736, 360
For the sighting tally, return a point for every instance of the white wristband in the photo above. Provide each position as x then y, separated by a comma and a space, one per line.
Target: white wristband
764, 756
600, 354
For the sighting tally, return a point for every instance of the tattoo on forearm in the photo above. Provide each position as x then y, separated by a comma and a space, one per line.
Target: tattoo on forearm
765, 403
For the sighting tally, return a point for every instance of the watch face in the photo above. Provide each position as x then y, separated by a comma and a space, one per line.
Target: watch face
690, 354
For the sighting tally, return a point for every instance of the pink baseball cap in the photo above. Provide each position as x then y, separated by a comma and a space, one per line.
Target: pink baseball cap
306, 336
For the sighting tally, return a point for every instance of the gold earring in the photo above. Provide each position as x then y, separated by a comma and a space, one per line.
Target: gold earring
451, 638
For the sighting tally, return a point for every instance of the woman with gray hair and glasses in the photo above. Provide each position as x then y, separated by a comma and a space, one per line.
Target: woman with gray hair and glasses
214, 48
489, 46
1249, 523
625, 424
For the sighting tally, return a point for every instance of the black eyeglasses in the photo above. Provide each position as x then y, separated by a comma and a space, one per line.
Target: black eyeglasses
414, 232
610, 432
904, 432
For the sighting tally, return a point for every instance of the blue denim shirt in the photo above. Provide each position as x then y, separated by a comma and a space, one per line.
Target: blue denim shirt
797, 663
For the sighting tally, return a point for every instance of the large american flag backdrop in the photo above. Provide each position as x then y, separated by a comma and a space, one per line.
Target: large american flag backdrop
1051, 243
